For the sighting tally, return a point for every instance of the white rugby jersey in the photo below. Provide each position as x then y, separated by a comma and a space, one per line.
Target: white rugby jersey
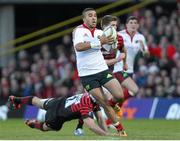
132, 46
90, 61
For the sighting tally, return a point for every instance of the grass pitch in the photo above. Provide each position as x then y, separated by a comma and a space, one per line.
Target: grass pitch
136, 130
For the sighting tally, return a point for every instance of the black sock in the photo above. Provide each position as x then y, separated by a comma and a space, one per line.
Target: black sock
80, 124
27, 100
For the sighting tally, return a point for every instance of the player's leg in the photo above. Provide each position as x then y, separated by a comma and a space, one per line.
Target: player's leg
114, 87
37, 125
130, 85
52, 121
108, 96
98, 95
117, 109
79, 128
80, 124
93, 84
16, 102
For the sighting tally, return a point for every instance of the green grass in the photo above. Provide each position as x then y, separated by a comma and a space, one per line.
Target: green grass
136, 129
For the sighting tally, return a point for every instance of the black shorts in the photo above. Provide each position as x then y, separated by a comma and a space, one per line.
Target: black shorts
96, 80
121, 76
51, 118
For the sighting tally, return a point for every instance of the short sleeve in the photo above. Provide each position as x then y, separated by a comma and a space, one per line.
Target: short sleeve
77, 36
144, 43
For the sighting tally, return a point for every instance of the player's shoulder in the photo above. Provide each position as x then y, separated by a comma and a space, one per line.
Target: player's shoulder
79, 28
140, 35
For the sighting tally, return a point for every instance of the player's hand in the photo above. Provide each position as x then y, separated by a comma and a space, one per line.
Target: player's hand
120, 42
142, 45
112, 134
106, 40
117, 135
145, 52
125, 66
121, 57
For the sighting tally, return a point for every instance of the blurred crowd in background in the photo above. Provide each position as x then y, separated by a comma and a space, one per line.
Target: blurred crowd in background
52, 71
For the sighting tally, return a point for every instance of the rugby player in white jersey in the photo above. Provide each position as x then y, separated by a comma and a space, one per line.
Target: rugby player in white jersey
110, 58
133, 43
92, 68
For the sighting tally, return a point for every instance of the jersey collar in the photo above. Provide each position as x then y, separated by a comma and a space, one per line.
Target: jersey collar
92, 31
131, 36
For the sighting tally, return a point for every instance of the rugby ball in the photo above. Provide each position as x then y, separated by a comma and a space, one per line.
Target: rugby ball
110, 30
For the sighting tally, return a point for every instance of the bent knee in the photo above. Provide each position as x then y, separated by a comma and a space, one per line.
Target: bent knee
134, 90
118, 97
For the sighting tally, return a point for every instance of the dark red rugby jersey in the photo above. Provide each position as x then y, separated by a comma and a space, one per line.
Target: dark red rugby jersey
108, 54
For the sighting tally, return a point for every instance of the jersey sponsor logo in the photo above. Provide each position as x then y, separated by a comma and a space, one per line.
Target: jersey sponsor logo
108, 75
87, 87
125, 74
73, 100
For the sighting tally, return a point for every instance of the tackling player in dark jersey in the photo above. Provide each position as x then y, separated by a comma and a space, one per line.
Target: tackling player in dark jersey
64, 109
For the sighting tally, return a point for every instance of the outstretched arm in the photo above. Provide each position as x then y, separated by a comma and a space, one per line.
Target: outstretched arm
89, 122
101, 120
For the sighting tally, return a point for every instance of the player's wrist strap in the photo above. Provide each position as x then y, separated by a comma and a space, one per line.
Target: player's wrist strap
95, 44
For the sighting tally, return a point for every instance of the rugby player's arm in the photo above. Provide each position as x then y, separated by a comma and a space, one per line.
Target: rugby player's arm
89, 122
124, 50
95, 43
101, 120
113, 61
110, 62
83, 46
146, 53
144, 47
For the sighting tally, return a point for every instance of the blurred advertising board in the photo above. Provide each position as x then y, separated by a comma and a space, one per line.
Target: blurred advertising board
152, 108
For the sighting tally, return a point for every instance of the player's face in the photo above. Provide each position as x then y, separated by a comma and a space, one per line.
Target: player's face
90, 19
114, 24
132, 25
